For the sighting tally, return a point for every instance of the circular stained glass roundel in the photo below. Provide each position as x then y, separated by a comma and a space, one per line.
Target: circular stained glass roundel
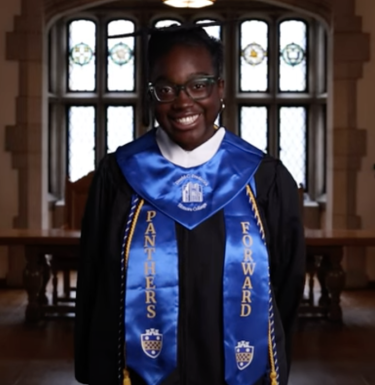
254, 54
121, 54
81, 54
293, 54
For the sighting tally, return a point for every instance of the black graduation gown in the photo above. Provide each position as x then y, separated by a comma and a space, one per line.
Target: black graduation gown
99, 323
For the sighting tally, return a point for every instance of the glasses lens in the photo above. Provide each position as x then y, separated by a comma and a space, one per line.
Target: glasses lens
200, 88
164, 92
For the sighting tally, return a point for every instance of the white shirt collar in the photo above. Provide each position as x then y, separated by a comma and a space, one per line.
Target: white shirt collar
180, 157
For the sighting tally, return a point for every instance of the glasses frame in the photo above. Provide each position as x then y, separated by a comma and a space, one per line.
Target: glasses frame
182, 87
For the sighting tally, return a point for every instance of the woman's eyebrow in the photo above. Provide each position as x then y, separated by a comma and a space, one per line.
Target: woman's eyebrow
191, 76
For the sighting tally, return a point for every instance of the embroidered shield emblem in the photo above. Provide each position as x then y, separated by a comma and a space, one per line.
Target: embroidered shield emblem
192, 193
152, 342
244, 354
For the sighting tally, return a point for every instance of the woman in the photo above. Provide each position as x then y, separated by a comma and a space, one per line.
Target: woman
192, 247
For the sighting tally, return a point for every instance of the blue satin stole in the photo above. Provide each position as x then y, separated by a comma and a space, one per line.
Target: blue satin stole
189, 196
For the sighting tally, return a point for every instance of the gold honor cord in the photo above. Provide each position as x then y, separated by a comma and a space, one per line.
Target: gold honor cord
273, 374
256, 211
127, 380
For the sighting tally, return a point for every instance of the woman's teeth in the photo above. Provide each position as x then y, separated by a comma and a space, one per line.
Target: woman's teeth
188, 119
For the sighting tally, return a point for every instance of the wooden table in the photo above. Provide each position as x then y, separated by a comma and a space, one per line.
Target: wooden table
39, 243
327, 245
324, 253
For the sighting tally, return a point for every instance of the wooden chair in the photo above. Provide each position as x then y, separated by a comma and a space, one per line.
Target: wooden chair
314, 271
75, 201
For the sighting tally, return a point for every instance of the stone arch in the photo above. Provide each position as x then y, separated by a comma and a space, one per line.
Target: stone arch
27, 140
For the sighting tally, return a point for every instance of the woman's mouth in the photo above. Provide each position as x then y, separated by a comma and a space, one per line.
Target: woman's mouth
187, 121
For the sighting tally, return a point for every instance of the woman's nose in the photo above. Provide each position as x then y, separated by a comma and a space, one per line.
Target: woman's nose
182, 98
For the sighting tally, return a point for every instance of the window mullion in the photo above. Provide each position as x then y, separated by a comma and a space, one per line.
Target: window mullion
100, 124
231, 70
62, 66
273, 126
273, 130
141, 103
60, 125
311, 147
312, 49
273, 59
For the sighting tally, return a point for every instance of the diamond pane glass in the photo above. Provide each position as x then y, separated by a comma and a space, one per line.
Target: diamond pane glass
120, 70
293, 42
81, 141
166, 23
120, 126
254, 126
82, 55
254, 59
293, 141
213, 30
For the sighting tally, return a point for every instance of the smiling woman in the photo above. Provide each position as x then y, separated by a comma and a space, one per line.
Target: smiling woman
186, 83
206, 275
188, 109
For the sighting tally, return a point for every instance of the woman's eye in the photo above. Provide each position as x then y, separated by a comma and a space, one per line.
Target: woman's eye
199, 85
165, 90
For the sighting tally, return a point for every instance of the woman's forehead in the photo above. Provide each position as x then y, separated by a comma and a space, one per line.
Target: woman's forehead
183, 62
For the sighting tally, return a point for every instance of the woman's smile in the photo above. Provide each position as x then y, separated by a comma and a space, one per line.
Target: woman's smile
186, 121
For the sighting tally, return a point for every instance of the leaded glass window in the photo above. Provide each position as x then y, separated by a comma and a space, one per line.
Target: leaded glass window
254, 124
81, 141
120, 70
212, 30
280, 91
119, 118
254, 56
274, 69
82, 55
293, 61
166, 23
292, 121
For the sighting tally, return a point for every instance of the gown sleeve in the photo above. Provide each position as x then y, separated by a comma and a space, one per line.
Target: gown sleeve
285, 237
88, 264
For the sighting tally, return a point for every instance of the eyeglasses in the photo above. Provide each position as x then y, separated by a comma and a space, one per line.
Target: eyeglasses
197, 89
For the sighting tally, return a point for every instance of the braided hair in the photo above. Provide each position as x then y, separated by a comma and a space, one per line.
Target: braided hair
163, 40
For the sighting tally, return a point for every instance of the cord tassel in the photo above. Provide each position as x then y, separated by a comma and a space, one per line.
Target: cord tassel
127, 380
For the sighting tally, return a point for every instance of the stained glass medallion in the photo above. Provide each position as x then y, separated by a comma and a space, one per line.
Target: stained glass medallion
293, 54
120, 63
293, 61
254, 58
81, 54
121, 53
254, 54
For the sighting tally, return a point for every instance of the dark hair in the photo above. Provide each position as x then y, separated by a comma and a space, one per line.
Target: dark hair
164, 39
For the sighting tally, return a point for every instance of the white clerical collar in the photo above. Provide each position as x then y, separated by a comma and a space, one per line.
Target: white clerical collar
180, 157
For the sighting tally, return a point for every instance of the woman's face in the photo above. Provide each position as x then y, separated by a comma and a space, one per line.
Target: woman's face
188, 122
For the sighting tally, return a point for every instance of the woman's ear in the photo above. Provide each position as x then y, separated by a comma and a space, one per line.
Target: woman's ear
221, 87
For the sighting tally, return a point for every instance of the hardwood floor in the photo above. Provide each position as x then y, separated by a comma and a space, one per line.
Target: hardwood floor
323, 354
